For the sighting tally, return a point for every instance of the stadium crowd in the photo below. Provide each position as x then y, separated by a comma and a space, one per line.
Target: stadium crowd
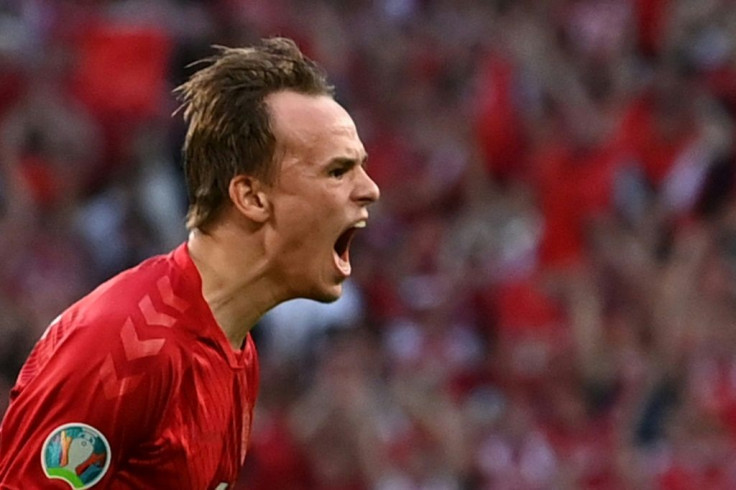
545, 297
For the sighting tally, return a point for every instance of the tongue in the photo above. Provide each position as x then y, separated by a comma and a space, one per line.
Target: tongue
342, 251
343, 265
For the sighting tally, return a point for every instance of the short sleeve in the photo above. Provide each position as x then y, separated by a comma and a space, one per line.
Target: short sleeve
87, 396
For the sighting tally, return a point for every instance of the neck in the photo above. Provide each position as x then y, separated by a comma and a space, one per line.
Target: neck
234, 268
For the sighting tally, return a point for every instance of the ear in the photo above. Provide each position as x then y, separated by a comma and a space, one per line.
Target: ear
249, 197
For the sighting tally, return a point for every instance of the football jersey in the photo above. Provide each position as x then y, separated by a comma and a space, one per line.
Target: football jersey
134, 386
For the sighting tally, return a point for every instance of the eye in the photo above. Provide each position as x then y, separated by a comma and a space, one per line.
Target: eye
338, 172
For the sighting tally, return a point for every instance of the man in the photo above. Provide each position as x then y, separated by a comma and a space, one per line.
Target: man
150, 380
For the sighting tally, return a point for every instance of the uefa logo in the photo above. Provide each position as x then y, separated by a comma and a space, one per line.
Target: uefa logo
76, 453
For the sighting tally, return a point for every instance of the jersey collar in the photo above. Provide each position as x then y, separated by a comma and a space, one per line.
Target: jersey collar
206, 326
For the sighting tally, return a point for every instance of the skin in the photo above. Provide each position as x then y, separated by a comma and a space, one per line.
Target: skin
276, 242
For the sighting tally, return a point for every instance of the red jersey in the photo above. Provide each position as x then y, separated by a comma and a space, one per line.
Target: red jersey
135, 386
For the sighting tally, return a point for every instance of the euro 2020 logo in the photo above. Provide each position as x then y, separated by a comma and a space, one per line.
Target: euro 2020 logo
76, 453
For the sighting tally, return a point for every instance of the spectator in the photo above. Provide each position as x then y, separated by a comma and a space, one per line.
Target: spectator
544, 296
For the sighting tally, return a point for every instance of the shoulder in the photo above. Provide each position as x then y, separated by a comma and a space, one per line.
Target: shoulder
121, 295
146, 300
131, 318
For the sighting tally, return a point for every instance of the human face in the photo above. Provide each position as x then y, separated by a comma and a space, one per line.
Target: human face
320, 195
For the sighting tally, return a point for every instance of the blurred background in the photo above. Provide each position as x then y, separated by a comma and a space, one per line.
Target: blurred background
545, 297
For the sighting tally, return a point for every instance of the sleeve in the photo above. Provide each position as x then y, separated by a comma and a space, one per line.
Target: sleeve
82, 403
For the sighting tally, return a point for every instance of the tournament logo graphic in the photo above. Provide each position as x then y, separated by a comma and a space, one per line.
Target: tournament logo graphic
76, 453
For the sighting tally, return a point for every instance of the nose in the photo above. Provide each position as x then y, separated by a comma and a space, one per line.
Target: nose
366, 190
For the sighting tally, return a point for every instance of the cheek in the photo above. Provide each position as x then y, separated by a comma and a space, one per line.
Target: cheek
305, 211
299, 226
301, 221
293, 209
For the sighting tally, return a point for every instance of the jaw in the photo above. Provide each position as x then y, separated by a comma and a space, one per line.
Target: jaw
328, 295
312, 275
318, 270
326, 283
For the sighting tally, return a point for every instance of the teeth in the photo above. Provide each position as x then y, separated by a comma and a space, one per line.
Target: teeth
361, 224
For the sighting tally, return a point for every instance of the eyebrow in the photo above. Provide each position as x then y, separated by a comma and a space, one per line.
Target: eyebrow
352, 162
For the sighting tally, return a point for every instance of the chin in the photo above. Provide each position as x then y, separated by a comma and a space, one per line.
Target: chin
325, 295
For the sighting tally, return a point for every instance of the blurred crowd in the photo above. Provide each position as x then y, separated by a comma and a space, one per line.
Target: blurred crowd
545, 297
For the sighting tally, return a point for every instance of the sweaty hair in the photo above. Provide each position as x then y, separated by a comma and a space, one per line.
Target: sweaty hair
229, 129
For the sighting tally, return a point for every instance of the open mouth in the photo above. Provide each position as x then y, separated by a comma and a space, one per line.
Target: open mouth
342, 247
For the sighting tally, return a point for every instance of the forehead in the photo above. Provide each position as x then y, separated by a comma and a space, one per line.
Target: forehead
313, 126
